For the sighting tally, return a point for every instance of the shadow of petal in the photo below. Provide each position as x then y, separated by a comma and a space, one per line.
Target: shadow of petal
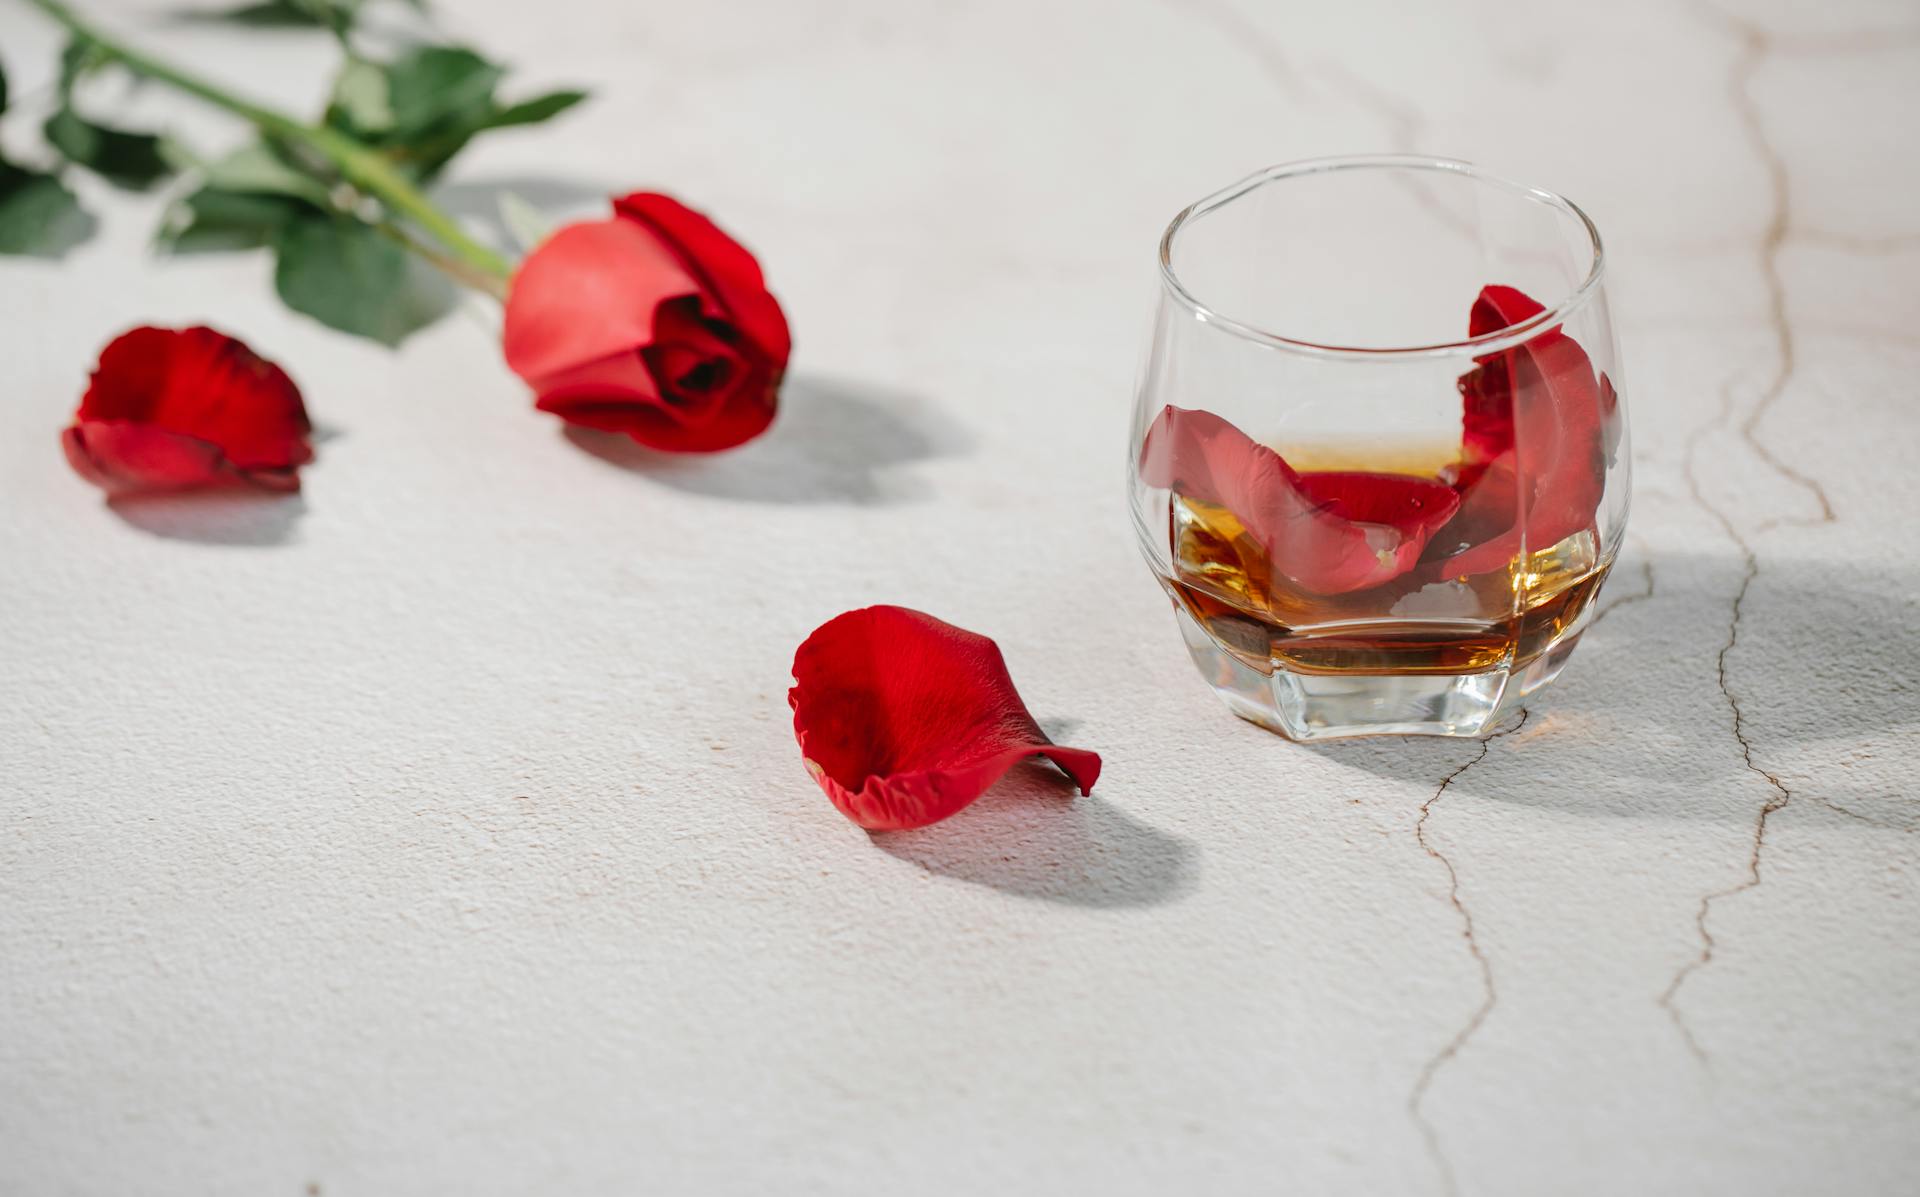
237, 518
1029, 836
834, 442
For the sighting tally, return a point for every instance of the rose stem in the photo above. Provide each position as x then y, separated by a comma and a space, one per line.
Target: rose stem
360, 166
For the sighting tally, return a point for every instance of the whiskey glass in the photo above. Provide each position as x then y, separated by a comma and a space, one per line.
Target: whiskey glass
1379, 455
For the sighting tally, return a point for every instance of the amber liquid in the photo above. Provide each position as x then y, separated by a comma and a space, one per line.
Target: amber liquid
1423, 622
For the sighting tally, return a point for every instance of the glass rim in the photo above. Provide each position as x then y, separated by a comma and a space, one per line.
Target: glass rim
1504, 338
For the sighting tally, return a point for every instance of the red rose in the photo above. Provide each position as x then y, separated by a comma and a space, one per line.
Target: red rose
653, 323
173, 408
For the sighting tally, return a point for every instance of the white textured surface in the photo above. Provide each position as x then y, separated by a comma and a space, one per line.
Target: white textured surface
443, 831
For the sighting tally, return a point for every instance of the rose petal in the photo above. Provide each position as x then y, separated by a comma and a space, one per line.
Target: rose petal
1485, 534
599, 396
123, 458
173, 408
1610, 420
622, 393
729, 272
693, 361
1330, 533
1535, 412
904, 720
1415, 508
586, 294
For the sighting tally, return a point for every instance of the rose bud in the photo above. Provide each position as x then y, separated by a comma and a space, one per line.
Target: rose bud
169, 409
653, 323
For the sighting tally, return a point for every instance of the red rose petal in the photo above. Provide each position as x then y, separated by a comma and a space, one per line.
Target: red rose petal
122, 458
1536, 411
173, 408
730, 273
1330, 533
693, 361
1610, 416
623, 393
643, 417
586, 294
904, 720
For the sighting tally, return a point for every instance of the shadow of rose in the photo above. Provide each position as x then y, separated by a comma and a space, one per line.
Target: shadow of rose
1639, 725
834, 441
556, 200
1033, 836
236, 518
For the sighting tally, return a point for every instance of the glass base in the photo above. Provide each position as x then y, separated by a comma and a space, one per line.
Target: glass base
1304, 706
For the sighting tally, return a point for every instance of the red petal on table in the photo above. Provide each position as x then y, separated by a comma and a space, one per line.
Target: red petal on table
1331, 533
730, 273
905, 720
174, 408
124, 458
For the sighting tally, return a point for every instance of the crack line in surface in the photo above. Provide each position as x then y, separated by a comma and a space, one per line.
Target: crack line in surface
1755, 46
1452, 1047
1750, 569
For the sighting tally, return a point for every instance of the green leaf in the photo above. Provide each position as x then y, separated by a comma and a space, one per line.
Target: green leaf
214, 219
38, 215
245, 200
269, 14
335, 15
532, 112
425, 106
258, 169
350, 276
438, 86
128, 159
3, 88
360, 105
77, 58
178, 154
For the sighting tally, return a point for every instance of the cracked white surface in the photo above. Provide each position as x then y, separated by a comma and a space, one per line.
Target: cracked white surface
448, 833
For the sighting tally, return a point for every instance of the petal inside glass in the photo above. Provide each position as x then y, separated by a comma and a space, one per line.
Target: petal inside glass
1379, 456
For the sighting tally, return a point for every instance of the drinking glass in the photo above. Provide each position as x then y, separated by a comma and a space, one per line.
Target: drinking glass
1379, 453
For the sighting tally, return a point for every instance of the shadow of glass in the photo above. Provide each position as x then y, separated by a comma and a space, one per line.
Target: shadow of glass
834, 442
1639, 726
237, 518
1033, 837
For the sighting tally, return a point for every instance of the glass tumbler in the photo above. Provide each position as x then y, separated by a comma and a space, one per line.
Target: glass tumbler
1379, 454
